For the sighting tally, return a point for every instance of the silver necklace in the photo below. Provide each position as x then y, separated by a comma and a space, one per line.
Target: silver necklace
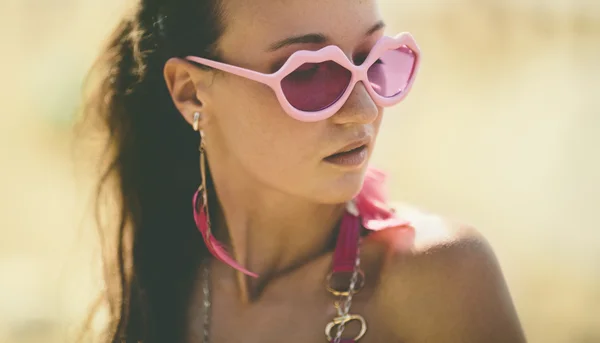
342, 305
206, 304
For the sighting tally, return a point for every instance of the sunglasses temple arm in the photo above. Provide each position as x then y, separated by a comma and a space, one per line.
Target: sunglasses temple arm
247, 73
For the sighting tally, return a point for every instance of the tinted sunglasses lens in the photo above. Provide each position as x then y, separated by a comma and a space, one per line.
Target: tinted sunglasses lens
392, 72
316, 86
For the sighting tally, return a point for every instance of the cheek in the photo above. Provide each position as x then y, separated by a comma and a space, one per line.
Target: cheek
263, 139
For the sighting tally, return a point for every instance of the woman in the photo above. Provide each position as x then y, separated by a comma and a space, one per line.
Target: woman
284, 99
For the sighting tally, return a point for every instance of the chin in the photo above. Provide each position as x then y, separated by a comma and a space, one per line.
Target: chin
341, 187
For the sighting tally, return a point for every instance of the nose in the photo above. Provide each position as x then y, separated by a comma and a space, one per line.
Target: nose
358, 109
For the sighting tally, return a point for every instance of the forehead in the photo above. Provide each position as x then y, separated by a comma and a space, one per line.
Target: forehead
252, 25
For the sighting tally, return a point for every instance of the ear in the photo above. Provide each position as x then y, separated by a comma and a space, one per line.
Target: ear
188, 86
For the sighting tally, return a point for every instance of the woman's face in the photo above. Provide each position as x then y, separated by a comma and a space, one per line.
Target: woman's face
248, 132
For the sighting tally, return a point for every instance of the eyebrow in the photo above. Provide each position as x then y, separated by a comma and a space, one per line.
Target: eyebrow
316, 38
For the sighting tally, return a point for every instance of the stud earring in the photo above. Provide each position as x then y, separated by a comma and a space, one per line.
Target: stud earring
196, 122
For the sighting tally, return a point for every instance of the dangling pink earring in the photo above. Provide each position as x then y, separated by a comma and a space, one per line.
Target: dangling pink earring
201, 213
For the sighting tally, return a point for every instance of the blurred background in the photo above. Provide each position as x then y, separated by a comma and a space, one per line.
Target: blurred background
502, 131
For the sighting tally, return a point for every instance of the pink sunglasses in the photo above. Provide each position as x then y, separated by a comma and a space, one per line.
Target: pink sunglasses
314, 85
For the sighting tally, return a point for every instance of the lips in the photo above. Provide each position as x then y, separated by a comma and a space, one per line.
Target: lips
352, 146
351, 156
345, 152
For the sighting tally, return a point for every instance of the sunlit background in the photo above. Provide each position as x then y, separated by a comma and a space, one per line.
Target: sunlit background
502, 130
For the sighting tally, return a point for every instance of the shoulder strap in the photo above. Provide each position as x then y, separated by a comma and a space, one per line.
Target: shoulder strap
346, 248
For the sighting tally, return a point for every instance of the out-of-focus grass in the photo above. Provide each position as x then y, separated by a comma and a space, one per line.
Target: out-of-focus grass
501, 130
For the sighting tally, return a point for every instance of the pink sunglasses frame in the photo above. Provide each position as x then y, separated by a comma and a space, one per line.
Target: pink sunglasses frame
328, 53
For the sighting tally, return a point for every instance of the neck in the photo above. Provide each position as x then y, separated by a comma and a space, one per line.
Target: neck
268, 232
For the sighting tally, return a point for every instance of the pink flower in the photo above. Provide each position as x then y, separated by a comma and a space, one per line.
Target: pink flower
372, 204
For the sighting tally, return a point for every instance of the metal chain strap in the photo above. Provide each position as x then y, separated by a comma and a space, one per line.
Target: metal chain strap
344, 310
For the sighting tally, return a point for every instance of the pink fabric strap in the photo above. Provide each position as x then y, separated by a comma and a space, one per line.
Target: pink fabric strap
344, 256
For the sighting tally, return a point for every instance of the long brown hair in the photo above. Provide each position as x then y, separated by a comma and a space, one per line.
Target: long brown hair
151, 159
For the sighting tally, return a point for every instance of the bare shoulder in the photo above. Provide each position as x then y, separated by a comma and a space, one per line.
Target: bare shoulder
437, 238
446, 285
